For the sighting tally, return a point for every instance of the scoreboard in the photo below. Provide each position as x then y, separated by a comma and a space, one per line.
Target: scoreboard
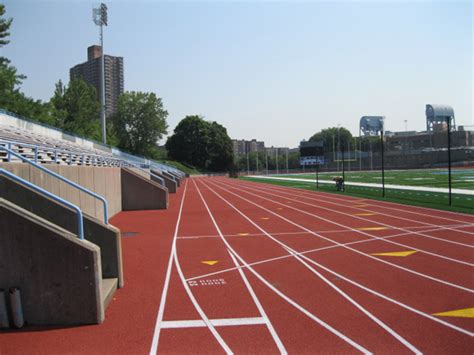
311, 153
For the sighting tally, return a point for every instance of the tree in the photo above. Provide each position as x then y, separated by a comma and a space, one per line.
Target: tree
205, 145
140, 122
333, 138
76, 109
4, 27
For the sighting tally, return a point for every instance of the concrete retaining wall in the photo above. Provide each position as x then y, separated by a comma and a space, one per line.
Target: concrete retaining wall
106, 237
59, 275
103, 181
140, 193
170, 184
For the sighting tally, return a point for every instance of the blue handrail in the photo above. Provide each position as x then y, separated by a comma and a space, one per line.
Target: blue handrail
69, 182
80, 219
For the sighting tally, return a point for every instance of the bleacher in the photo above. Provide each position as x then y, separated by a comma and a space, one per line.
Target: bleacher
57, 247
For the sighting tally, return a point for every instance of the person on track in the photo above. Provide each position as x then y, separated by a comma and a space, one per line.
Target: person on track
339, 183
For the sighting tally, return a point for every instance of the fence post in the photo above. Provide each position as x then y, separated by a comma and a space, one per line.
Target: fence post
449, 159
383, 166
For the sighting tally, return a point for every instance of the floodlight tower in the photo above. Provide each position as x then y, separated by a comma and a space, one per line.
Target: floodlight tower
99, 15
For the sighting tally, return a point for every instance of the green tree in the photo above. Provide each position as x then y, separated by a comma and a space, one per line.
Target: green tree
332, 138
4, 27
140, 122
75, 108
220, 150
205, 145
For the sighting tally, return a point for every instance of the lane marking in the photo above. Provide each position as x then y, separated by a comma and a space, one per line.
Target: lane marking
265, 218
223, 322
309, 251
397, 253
349, 248
364, 214
361, 218
210, 262
389, 299
206, 282
174, 257
259, 306
329, 283
241, 234
462, 313
372, 228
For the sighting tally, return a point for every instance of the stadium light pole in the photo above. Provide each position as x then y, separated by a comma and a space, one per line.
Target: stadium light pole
276, 159
449, 158
287, 161
99, 16
266, 160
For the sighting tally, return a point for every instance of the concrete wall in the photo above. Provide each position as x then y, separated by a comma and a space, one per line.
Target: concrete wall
140, 193
106, 237
170, 183
59, 276
103, 181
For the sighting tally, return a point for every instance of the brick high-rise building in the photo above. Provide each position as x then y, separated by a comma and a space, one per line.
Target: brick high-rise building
90, 73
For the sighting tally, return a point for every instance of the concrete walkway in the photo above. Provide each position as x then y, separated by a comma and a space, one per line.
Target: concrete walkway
365, 184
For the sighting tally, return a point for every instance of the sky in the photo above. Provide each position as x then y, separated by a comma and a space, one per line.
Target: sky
273, 71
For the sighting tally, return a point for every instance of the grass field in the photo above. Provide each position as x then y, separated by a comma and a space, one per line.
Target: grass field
460, 203
461, 178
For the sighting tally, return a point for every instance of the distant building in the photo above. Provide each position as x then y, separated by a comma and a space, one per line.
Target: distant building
242, 146
90, 73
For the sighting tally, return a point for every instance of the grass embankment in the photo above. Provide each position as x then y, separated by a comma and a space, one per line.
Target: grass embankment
460, 203
182, 167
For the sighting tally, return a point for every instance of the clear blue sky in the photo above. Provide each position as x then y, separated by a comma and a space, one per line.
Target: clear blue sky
277, 72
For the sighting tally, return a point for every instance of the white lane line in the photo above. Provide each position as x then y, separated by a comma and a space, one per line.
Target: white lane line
270, 327
290, 301
344, 246
224, 322
344, 204
305, 252
164, 294
381, 204
389, 299
323, 278
246, 190
173, 257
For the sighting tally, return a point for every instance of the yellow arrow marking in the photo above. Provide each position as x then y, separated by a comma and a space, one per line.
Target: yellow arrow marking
243, 234
397, 253
265, 218
279, 208
364, 214
210, 262
464, 313
372, 228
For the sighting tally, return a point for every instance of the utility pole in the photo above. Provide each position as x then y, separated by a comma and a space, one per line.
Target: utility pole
99, 16
266, 159
276, 159
287, 161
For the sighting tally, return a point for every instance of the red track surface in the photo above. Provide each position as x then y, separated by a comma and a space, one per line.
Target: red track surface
312, 285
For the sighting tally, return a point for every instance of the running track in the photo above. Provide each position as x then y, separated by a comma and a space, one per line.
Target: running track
236, 266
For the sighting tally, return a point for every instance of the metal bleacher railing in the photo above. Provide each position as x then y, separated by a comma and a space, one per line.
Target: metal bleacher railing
80, 219
69, 182
116, 154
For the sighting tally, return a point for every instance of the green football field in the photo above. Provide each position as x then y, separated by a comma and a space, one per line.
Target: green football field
461, 179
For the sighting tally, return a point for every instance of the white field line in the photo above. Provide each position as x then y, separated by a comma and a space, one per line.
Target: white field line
282, 295
367, 184
383, 204
259, 306
344, 246
159, 320
438, 228
323, 278
246, 190
421, 313
331, 197
305, 252
224, 322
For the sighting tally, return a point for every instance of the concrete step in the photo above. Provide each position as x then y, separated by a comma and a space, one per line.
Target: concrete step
108, 288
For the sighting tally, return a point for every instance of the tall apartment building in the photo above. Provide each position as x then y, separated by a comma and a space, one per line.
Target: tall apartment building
90, 73
242, 146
